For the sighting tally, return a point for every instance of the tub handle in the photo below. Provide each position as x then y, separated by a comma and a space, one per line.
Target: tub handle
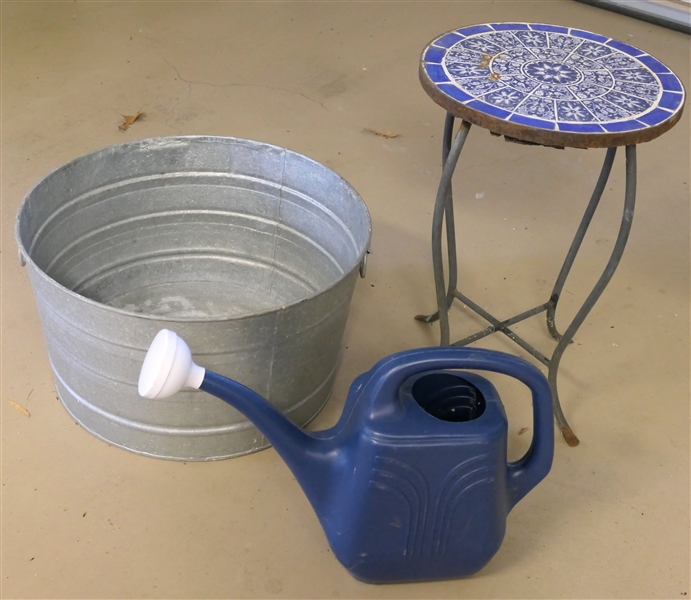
363, 265
22, 258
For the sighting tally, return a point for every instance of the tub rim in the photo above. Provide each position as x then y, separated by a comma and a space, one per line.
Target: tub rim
25, 260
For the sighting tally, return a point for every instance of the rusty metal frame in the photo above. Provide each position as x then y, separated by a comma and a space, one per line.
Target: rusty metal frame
447, 292
663, 15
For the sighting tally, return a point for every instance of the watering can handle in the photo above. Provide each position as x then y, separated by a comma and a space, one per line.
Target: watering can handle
522, 475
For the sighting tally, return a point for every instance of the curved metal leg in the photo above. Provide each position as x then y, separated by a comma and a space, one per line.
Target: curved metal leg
449, 216
577, 240
450, 226
620, 244
437, 221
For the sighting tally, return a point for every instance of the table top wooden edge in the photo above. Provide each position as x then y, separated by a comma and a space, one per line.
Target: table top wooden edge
539, 135
543, 137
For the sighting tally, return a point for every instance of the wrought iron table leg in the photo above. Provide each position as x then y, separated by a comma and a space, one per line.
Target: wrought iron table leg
620, 244
577, 240
443, 209
440, 207
450, 226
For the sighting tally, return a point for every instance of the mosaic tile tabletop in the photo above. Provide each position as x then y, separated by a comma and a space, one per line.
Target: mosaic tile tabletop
553, 78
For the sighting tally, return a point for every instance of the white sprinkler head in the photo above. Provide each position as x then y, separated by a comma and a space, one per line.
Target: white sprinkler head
168, 367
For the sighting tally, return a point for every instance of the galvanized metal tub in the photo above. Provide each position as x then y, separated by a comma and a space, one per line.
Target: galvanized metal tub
248, 251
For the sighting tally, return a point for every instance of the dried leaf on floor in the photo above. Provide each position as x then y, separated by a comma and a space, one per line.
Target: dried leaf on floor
523, 430
485, 61
129, 119
385, 134
494, 77
21, 409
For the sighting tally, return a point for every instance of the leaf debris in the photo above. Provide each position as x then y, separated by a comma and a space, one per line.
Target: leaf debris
522, 430
21, 409
129, 119
385, 134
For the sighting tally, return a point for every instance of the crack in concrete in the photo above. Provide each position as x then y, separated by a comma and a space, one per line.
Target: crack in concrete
191, 82
169, 120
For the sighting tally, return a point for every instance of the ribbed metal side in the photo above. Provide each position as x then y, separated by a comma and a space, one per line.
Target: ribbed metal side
248, 251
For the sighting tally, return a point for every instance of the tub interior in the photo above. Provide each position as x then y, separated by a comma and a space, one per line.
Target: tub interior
194, 227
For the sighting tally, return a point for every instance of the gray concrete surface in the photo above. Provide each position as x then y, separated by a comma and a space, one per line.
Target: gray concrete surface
81, 519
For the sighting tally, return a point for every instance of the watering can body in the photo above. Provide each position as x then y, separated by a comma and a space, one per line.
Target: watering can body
412, 483
423, 498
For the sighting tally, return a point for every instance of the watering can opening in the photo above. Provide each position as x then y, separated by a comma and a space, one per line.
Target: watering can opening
448, 397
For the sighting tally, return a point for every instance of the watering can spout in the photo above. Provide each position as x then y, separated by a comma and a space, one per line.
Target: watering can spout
168, 367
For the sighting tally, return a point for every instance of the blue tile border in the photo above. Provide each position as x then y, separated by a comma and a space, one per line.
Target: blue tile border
625, 48
436, 73
580, 127
552, 28
448, 40
510, 26
623, 126
474, 29
434, 55
539, 123
593, 37
671, 100
489, 109
455, 92
655, 116
653, 64
670, 82
478, 66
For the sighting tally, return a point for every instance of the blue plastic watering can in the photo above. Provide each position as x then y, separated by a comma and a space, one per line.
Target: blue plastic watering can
412, 483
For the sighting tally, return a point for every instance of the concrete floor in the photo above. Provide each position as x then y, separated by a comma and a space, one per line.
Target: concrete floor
82, 519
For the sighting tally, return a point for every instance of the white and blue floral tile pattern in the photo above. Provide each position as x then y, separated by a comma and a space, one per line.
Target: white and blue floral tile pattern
553, 77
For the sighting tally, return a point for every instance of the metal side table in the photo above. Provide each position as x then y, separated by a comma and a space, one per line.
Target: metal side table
552, 86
